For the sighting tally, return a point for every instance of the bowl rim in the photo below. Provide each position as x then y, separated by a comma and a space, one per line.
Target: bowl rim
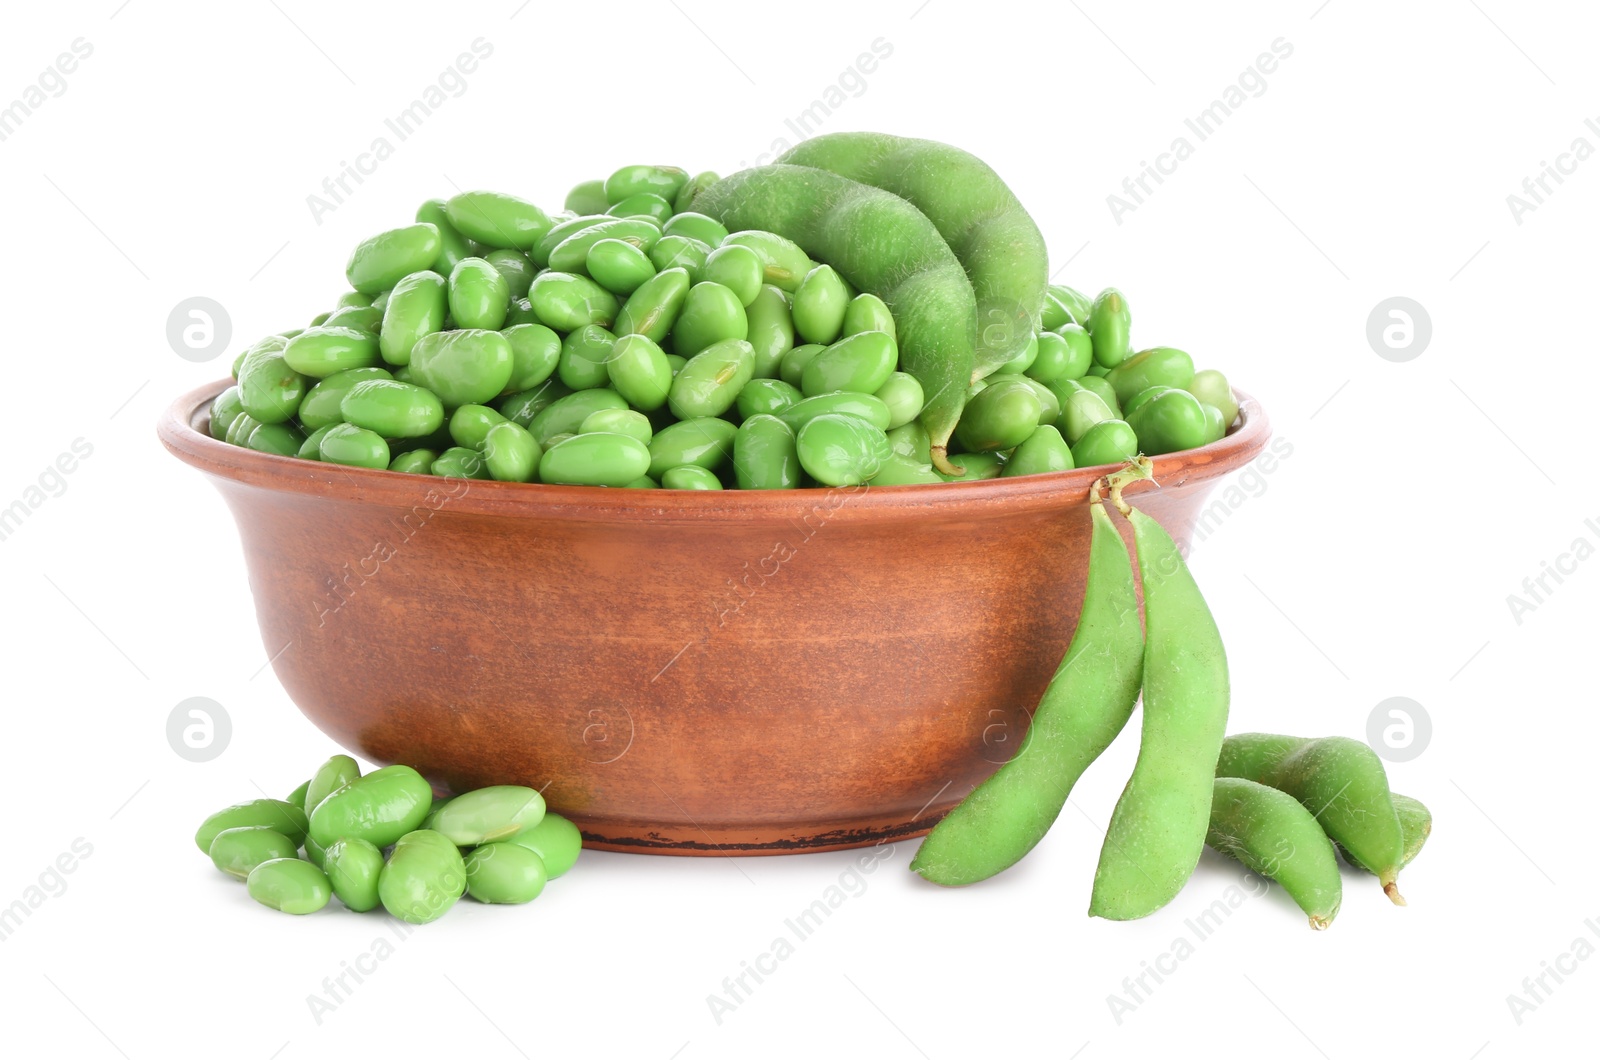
179, 428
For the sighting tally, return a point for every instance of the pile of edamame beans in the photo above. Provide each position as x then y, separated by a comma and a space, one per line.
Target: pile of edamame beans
382, 839
1279, 804
830, 320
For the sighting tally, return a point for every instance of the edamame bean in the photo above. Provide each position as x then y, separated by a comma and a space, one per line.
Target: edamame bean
353, 446
974, 467
283, 817
1275, 836
594, 460
862, 363
866, 312
555, 839
297, 797
505, 874
1081, 410
321, 352
1053, 314
498, 220
1080, 351
866, 407
380, 262
488, 814
792, 369
585, 354
240, 429
1042, 452
379, 807
479, 295
1049, 404
1215, 426
901, 470
535, 352
1107, 392
1169, 422
737, 268
819, 305
238, 850
710, 383
423, 877
329, 777
653, 309
587, 197
665, 181
1052, 358
1340, 780
453, 246
393, 409
280, 439
1001, 416
566, 301
571, 253
695, 226
510, 454
416, 307
684, 200
768, 396
1157, 366
706, 442
289, 885
903, 395
470, 425
643, 204
269, 389
783, 263
1108, 325
416, 462
841, 450
513, 267
466, 367
1084, 708
690, 477
711, 313
224, 409
353, 867
459, 462
910, 439
618, 421
1076, 304
639, 371
540, 254
1159, 825
618, 266
1211, 387
1141, 397
566, 415
1107, 442
361, 318
764, 454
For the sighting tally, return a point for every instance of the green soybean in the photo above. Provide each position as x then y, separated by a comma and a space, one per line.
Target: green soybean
238, 850
769, 396
1211, 387
566, 301
496, 219
380, 262
323, 403
570, 254
643, 204
783, 263
352, 446
1073, 302
711, 314
415, 462
416, 307
466, 367
1080, 411
459, 462
329, 777
423, 878
618, 421
379, 807
353, 867
1107, 442
1157, 366
1109, 320
974, 467
594, 460
910, 439
479, 295
1042, 452
1084, 708
680, 252
653, 308
695, 226
513, 267
556, 840
1107, 392
618, 266
764, 454
710, 383
881, 244
510, 454
289, 885
862, 363
535, 352
819, 305
706, 442
589, 196
280, 439
665, 181
839, 450
488, 814
1275, 836
585, 355
361, 318
1001, 416
505, 874
523, 406
902, 470
639, 372
792, 368
297, 797
1171, 421
565, 415
1159, 825
867, 312
224, 408
540, 254
453, 246
737, 268
690, 477
903, 394
866, 407
684, 200
470, 425
393, 409
321, 352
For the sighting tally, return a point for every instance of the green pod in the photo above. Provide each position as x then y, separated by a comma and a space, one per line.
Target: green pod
711, 314
695, 226
329, 777
764, 454
453, 246
415, 462
737, 268
540, 254
505, 874
594, 460
283, 817
819, 305
1107, 442
383, 260
1001, 416
322, 405
535, 352
643, 204
586, 197
353, 446
639, 372
470, 425
769, 330
866, 312
683, 202
862, 363
1416, 825
466, 367
393, 409
689, 477
423, 878
565, 415
1157, 366
1170, 422
665, 181
510, 454
280, 439
768, 396
238, 850
571, 253
1159, 825
585, 354
841, 450
459, 462
1109, 321
1043, 452
996, 241
792, 369
224, 410
653, 308
498, 220
417, 306
566, 301
1211, 387
1276, 837
706, 442
555, 839
902, 470
1084, 708
618, 266
974, 467
379, 807
513, 267
488, 814
479, 295
618, 421
710, 383
843, 403
353, 867
289, 885
906, 262
321, 352
269, 389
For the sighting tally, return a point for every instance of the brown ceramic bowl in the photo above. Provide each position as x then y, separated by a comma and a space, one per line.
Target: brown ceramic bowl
680, 672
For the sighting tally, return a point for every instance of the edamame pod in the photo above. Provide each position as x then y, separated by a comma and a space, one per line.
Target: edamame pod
1275, 836
1416, 825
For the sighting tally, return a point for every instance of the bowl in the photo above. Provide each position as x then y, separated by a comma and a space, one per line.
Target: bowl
680, 672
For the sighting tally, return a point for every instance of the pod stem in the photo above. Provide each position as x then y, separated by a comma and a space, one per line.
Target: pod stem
1138, 469
1392, 889
939, 454
1320, 923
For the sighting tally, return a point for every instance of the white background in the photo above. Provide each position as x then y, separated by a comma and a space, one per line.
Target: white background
1374, 562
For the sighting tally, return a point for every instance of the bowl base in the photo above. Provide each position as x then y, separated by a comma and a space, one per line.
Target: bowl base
734, 843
